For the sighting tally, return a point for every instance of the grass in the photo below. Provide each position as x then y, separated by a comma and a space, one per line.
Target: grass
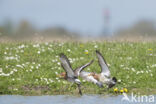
31, 68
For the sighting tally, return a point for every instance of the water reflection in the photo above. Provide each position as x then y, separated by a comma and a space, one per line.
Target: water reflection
63, 99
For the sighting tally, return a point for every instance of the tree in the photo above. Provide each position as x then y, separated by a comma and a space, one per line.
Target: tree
141, 28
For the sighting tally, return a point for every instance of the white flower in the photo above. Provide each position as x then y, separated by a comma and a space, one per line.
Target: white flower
11, 58
43, 50
142, 71
51, 80
1, 70
60, 45
53, 60
3, 74
83, 80
46, 43
19, 66
7, 48
121, 65
95, 46
126, 68
138, 72
36, 45
32, 67
27, 63
56, 72
71, 61
68, 50
23, 64
15, 89
88, 69
133, 69
22, 46
108, 64
22, 51
18, 79
7, 66
154, 65
15, 70
5, 53
58, 63
38, 52
86, 50
119, 80
50, 45
11, 72
81, 58
37, 67
64, 82
129, 58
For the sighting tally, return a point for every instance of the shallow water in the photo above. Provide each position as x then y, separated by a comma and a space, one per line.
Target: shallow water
65, 99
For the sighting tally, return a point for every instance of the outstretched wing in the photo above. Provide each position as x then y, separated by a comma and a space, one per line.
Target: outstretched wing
104, 67
79, 69
66, 65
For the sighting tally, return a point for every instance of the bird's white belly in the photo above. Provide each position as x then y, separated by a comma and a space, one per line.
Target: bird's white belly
86, 76
103, 79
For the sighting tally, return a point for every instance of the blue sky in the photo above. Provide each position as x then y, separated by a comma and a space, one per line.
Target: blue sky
85, 16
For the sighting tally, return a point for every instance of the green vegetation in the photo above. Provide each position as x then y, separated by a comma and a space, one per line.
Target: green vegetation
32, 68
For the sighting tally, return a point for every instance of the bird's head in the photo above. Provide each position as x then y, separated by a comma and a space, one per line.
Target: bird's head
114, 81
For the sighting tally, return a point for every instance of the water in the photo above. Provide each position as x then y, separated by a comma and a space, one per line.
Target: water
64, 99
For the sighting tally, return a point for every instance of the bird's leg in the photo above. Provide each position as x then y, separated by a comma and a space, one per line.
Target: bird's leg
79, 88
66, 87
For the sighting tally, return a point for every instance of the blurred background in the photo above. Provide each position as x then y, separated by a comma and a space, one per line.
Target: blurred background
45, 20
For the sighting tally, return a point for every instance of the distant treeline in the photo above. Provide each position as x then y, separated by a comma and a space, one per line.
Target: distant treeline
26, 30
145, 28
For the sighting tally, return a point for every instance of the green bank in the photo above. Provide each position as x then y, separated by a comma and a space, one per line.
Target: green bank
32, 68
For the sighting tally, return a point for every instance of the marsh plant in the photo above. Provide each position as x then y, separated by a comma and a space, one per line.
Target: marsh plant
33, 68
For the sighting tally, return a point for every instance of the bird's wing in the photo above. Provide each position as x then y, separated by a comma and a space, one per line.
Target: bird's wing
79, 69
66, 65
104, 67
